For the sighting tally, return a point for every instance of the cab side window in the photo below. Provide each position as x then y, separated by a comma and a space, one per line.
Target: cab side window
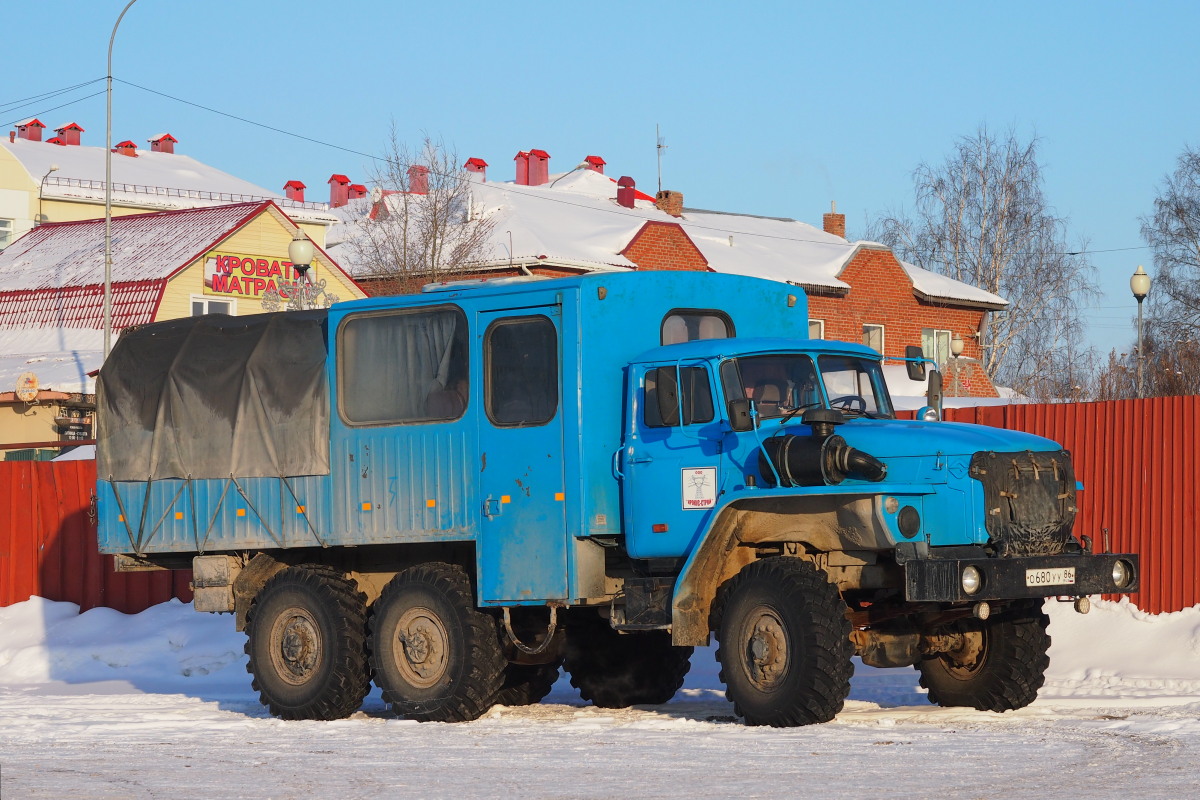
689, 325
669, 393
521, 371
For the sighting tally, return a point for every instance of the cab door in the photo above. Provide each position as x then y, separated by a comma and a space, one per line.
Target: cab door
522, 549
672, 459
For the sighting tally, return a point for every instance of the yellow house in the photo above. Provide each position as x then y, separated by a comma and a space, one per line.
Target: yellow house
62, 180
230, 259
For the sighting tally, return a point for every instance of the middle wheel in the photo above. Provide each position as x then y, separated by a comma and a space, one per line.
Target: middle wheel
436, 657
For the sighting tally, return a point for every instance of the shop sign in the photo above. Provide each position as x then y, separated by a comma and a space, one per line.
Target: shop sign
230, 275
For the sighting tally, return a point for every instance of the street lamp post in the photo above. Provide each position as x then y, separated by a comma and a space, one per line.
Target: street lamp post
42, 190
1139, 284
956, 349
108, 190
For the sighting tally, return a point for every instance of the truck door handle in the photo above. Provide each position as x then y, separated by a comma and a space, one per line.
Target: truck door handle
640, 459
491, 507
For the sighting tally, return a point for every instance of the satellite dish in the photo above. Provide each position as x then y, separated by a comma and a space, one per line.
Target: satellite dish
27, 387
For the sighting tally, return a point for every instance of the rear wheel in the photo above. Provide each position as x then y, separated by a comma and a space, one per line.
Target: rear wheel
526, 684
784, 643
615, 670
306, 632
997, 664
436, 657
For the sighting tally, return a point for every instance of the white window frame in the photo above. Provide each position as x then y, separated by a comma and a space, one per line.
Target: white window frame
8, 232
206, 299
820, 325
937, 337
868, 329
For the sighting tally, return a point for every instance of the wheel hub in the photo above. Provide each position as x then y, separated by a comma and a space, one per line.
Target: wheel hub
296, 646
766, 649
423, 647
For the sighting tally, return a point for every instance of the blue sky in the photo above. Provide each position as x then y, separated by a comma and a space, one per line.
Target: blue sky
771, 108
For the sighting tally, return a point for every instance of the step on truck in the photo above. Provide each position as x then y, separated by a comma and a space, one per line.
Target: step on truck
455, 494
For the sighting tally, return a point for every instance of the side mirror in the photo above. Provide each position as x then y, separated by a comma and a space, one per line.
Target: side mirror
914, 360
739, 415
934, 397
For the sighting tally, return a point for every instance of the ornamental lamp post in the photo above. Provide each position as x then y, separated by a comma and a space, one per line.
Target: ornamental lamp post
956, 349
300, 252
1139, 284
41, 191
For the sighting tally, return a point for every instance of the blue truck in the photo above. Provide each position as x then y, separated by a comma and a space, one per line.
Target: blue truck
458, 493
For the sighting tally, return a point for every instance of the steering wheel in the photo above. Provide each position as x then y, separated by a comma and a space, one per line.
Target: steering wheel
850, 402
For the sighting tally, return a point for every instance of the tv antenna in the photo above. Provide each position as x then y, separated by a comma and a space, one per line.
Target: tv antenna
661, 145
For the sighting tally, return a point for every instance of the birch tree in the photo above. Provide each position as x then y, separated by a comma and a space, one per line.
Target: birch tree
422, 226
1173, 234
981, 217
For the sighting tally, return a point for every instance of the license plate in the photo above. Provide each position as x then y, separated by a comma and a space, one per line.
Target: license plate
1054, 576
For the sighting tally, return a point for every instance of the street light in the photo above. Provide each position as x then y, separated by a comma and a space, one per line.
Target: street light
108, 190
301, 293
956, 349
41, 189
1139, 284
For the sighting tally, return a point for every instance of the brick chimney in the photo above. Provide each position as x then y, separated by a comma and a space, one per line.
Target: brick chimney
626, 191
539, 167
125, 148
478, 169
339, 190
294, 190
418, 179
834, 222
30, 130
56, 140
522, 159
356, 191
69, 134
595, 164
163, 143
670, 202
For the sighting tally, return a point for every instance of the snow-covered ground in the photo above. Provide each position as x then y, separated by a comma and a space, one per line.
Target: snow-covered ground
103, 705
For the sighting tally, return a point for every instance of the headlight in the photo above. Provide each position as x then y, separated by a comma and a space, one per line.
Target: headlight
928, 414
1122, 573
972, 580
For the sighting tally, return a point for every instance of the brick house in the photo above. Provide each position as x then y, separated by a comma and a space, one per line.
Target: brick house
584, 221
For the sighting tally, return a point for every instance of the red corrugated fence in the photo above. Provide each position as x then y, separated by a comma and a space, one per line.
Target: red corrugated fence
1137, 460
48, 543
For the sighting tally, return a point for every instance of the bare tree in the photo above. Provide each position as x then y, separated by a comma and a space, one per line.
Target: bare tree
1173, 233
422, 225
982, 218
1171, 367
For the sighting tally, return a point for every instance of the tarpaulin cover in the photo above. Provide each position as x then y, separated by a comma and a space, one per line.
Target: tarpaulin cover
214, 396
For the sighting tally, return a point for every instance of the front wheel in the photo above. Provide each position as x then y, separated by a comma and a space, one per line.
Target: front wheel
435, 655
784, 643
993, 665
305, 641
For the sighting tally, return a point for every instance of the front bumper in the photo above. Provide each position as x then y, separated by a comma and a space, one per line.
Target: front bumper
940, 579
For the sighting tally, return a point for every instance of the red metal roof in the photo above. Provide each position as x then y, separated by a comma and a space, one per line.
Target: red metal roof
595, 160
162, 137
144, 247
127, 143
80, 306
476, 162
338, 179
70, 126
295, 185
539, 153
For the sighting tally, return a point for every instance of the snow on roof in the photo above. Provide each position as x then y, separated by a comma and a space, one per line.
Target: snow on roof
165, 180
144, 246
941, 287
61, 358
574, 219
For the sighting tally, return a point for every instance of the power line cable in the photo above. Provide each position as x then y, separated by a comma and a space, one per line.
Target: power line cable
551, 199
11, 104
56, 108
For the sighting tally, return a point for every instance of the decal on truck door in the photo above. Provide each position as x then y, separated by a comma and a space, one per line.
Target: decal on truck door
699, 488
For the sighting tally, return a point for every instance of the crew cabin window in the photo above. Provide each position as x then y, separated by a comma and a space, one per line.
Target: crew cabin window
689, 325
521, 371
403, 367
677, 396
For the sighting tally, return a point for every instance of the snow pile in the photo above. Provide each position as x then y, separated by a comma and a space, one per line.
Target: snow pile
1116, 651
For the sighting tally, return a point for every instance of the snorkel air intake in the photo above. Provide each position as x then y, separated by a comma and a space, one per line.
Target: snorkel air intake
818, 460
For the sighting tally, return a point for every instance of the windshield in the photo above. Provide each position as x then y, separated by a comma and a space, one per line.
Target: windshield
786, 384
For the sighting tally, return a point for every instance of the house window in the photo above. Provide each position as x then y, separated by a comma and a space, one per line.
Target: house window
206, 305
6, 233
872, 337
816, 329
935, 345
688, 325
